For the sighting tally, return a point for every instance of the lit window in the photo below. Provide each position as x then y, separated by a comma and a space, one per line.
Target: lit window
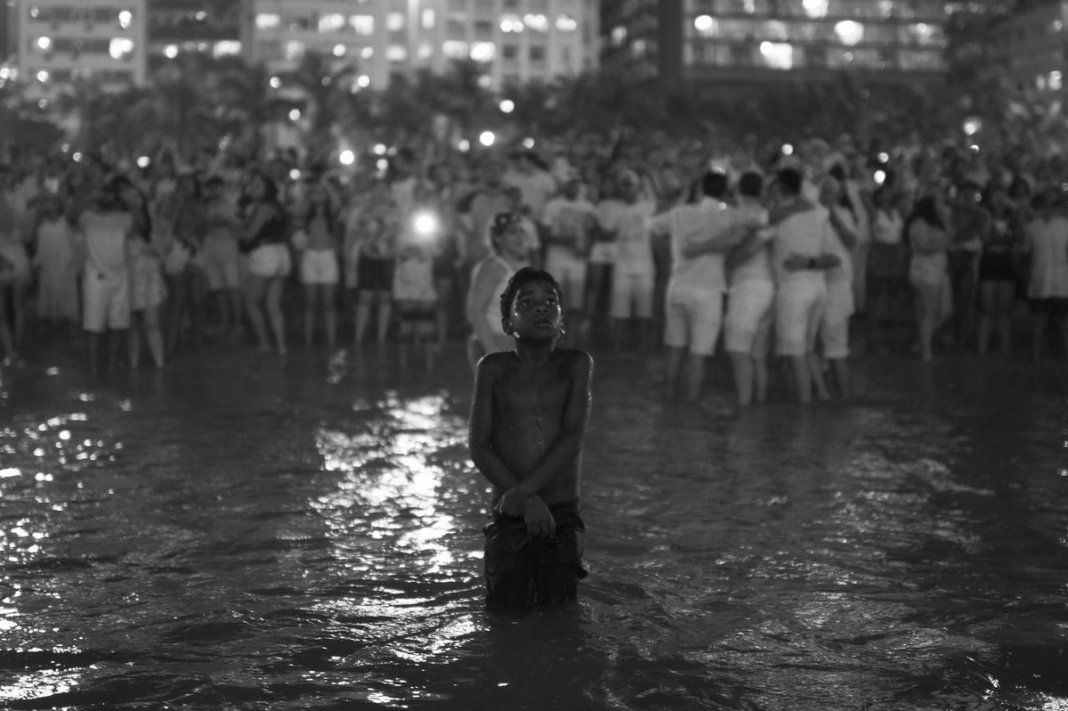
170, 51
396, 53
331, 23
42, 76
120, 47
619, 35
705, 24
363, 24
395, 21
536, 22
850, 32
367, 52
340, 50
566, 23
44, 44
511, 23
267, 21
125, 19
815, 8
778, 55
1040, 82
425, 50
294, 50
363, 81
429, 19
1056, 80
455, 49
226, 48
483, 51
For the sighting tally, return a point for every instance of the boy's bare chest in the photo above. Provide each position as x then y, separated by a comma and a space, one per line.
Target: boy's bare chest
536, 391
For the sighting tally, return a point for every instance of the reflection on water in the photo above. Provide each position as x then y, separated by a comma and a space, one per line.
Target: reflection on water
250, 533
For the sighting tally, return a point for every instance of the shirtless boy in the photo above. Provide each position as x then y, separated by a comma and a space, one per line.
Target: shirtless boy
529, 417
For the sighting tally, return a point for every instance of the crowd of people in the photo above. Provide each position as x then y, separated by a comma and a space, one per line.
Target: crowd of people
666, 245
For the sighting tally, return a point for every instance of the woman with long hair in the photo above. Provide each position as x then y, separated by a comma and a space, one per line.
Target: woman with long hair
264, 239
928, 235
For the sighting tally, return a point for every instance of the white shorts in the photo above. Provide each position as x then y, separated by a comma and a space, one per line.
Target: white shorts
269, 261
749, 307
319, 266
632, 295
570, 271
799, 307
693, 317
221, 263
834, 326
107, 301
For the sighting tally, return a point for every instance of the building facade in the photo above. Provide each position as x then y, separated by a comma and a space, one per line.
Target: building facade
516, 40
742, 40
63, 41
204, 26
1028, 47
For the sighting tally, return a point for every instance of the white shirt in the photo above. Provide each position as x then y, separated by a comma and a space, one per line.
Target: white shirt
808, 234
689, 225
633, 243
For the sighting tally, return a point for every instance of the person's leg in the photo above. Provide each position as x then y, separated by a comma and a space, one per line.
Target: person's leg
116, 339
153, 335
310, 293
176, 297
694, 376
7, 340
385, 311
364, 297
742, 367
802, 377
273, 299
985, 315
136, 331
255, 290
328, 302
1004, 300
675, 357
93, 344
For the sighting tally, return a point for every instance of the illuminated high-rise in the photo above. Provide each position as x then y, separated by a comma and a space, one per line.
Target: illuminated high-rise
762, 39
516, 40
99, 41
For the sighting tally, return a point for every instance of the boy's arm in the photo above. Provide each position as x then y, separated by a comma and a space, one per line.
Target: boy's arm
480, 429
576, 419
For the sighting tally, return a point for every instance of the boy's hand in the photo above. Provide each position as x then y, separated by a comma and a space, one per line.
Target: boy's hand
539, 519
513, 503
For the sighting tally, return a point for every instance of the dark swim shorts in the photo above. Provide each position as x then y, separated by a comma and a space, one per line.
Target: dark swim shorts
522, 571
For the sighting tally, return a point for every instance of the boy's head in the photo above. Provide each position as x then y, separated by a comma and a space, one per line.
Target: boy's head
537, 284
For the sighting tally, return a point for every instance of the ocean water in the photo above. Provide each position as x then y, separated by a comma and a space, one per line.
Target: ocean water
245, 532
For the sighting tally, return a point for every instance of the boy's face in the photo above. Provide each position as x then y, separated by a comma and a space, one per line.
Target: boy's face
536, 313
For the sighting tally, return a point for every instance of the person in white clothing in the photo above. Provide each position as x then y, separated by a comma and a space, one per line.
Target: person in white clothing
625, 221
700, 234
752, 292
834, 326
569, 221
802, 248
1045, 242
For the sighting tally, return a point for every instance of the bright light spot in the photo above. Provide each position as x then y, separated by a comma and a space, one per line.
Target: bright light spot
511, 23
382, 164
974, 149
294, 174
972, 125
201, 15
566, 23
1056, 80
778, 55
883, 157
429, 19
536, 21
43, 104
425, 223
879, 177
10, 472
464, 145
42, 76
77, 157
275, 82
396, 53
367, 52
143, 162
507, 106
787, 149
483, 51
340, 50
815, 8
379, 149
267, 21
528, 143
119, 47
704, 23
170, 51
125, 19
331, 22
294, 114
44, 43
363, 81
395, 21
850, 32
487, 138
346, 157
